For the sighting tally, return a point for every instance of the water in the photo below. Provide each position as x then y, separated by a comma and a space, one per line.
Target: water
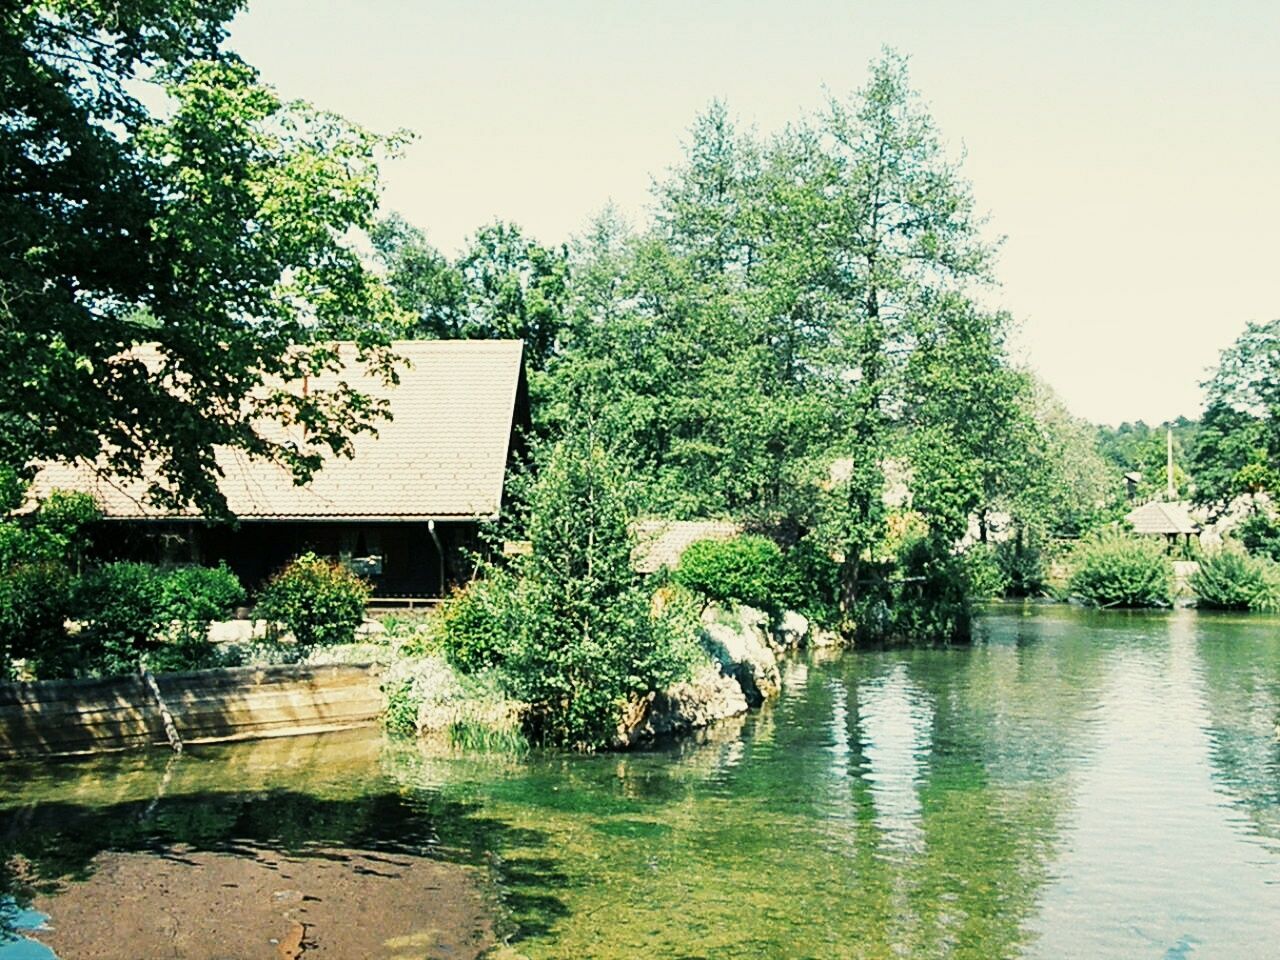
1093, 785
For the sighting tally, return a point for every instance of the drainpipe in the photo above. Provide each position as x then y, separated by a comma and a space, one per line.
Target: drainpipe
431, 529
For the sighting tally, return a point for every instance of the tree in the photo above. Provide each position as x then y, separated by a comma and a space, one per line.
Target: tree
1230, 457
503, 286
903, 248
798, 314
1243, 414
424, 282
170, 277
587, 638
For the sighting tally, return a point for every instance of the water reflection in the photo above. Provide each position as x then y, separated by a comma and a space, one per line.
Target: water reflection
895, 723
1075, 785
1155, 858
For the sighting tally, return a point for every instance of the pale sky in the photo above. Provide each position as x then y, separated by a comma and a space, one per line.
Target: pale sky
1129, 152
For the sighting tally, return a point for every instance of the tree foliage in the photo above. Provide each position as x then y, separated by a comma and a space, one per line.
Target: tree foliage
170, 276
587, 638
503, 286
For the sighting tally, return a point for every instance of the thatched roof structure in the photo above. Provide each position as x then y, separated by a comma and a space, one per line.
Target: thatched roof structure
1161, 518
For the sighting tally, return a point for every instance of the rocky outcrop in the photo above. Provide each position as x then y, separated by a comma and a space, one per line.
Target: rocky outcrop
708, 697
823, 639
740, 642
792, 630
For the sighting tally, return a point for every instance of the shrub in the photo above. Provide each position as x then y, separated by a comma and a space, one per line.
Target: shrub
746, 569
35, 600
320, 602
984, 572
1260, 535
190, 599
1112, 570
1232, 580
922, 594
478, 622
811, 583
401, 716
1022, 567
121, 608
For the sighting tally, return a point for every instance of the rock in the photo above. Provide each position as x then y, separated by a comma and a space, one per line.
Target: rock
744, 653
237, 631
823, 639
708, 697
793, 630
370, 628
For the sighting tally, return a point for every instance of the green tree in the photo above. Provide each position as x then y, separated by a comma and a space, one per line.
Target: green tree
1230, 457
424, 282
503, 286
904, 249
162, 267
588, 638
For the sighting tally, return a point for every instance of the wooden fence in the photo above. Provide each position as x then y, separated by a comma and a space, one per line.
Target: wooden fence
66, 717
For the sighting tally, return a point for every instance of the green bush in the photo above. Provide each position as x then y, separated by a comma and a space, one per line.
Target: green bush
320, 602
477, 624
1022, 567
1260, 535
747, 569
38, 554
120, 607
1232, 580
1112, 570
984, 572
35, 601
810, 583
190, 599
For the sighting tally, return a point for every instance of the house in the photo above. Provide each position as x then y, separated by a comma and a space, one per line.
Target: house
403, 511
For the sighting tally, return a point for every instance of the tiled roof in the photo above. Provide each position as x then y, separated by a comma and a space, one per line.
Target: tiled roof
443, 455
1158, 517
659, 543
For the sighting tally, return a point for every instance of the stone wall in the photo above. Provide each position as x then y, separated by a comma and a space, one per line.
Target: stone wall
67, 717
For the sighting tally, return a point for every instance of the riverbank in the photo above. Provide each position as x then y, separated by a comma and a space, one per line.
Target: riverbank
331, 902
739, 670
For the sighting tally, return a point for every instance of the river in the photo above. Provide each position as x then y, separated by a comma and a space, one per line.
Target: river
1075, 784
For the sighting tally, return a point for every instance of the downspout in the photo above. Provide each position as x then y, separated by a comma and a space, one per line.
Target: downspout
435, 537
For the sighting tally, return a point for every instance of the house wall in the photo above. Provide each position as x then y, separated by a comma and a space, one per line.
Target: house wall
412, 565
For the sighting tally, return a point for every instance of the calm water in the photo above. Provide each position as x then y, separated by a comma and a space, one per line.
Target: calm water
1076, 785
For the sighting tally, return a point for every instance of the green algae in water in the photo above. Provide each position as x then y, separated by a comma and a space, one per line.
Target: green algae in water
1075, 785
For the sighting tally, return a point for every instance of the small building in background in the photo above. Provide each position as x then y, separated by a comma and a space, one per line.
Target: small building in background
659, 543
1132, 481
1160, 518
403, 511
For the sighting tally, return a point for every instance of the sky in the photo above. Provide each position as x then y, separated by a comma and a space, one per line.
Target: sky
1127, 152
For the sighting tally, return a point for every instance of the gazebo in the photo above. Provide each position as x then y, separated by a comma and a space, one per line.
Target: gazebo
1160, 518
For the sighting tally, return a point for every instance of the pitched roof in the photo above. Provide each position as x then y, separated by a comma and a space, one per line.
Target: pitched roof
1158, 517
659, 543
443, 455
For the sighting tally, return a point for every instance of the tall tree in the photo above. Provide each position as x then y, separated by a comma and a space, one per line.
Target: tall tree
1247, 382
1229, 457
503, 286
903, 244
215, 232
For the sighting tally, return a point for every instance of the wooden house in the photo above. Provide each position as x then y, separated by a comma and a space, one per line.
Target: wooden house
402, 511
